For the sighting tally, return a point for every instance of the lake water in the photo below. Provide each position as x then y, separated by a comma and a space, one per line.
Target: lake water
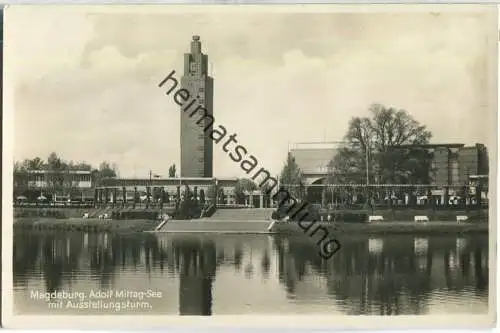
248, 274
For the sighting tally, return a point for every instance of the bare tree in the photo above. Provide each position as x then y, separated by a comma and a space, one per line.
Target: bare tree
370, 155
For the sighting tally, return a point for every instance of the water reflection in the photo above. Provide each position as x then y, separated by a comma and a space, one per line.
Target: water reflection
196, 261
381, 276
391, 275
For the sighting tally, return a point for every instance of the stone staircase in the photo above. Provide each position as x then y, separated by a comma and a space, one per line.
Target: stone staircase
95, 212
241, 214
207, 226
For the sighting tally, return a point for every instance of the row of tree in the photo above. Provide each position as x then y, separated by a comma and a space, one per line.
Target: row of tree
59, 176
372, 152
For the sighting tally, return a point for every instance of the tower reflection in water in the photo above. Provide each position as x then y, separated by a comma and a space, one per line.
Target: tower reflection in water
197, 260
370, 275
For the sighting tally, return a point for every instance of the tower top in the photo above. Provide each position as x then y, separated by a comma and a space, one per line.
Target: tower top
196, 45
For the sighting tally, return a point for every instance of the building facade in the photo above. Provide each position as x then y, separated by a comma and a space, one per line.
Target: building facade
313, 159
72, 183
196, 144
45, 179
472, 161
171, 186
125, 189
454, 164
444, 165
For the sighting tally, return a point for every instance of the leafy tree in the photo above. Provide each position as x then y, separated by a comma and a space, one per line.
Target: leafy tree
291, 177
83, 166
211, 193
187, 191
21, 176
18, 166
105, 170
55, 163
33, 164
202, 196
372, 144
268, 191
243, 185
222, 196
116, 171
188, 207
55, 177
58, 176
172, 171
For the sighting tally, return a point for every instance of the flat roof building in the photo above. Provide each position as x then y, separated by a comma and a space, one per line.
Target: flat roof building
46, 179
453, 164
313, 158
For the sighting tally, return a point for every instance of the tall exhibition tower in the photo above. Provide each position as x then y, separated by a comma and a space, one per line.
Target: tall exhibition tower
196, 145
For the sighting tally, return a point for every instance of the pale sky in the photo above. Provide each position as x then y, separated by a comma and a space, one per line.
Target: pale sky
85, 83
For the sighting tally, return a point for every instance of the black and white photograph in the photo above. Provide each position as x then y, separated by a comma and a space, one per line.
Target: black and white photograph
272, 163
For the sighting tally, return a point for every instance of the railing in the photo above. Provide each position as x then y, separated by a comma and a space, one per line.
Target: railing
208, 211
395, 196
54, 205
118, 205
437, 207
333, 197
221, 205
136, 205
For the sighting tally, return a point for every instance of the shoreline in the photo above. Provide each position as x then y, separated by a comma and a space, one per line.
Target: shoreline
403, 227
80, 224
244, 227
352, 215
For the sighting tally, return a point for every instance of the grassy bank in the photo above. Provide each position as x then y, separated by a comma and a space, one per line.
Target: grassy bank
406, 215
196, 226
72, 213
89, 225
341, 215
49, 212
436, 227
434, 215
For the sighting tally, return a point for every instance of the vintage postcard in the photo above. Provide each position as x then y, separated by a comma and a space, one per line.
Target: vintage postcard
249, 166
